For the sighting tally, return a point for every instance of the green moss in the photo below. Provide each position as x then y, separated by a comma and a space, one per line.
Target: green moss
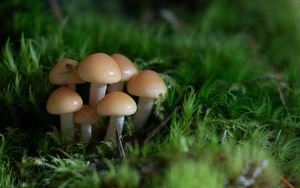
193, 174
122, 176
233, 97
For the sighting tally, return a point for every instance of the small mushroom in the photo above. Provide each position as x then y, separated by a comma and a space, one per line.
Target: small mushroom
64, 101
147, 85
127, 68
99, 69
65, 73
86, 116
117, 105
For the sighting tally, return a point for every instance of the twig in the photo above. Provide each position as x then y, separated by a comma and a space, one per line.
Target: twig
159, 127
56, 10
171, 18
286, 183
259, 169
247, 182
267, 76
147, 169
120, 145
64, 153
277, 78
281, 96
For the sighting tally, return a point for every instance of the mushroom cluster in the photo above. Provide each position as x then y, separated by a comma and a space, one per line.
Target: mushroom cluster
102, 71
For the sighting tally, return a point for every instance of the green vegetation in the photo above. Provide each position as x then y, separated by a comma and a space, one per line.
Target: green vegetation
233, 97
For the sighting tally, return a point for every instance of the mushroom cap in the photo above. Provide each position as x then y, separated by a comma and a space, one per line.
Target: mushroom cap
63, 100
65, 72
148, 84
86, 115
99, 68
116, 103
127, 67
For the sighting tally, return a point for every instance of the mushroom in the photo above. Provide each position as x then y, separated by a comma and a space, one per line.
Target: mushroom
127, 68
117, 105
65, 73
148, 85
64, 101
86, 116
99, 69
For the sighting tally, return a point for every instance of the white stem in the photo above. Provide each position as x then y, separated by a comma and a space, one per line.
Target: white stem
116, 86
72, 86
143, 112
85, 132
115, 122
97, 92
67, 128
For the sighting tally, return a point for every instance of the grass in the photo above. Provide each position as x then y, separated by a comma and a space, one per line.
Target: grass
231, 75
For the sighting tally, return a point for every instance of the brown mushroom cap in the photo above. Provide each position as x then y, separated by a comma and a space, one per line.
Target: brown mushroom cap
63, 100
116, 103
99, 68
147, 84
86, 115
127, 67
65, 72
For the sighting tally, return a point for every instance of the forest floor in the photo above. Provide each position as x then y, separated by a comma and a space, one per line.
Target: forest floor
231, 114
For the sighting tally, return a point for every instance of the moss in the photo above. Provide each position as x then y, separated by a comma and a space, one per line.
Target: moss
233, 98
193, 174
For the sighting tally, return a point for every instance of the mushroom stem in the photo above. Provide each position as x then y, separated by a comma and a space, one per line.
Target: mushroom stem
97, 92
86, 132
116, 86
72, 86
67, 127
143, 112
115, 122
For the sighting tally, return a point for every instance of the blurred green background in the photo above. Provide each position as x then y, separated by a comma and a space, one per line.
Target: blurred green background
232, 70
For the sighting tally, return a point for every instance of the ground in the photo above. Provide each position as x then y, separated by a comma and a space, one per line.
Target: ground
230, 118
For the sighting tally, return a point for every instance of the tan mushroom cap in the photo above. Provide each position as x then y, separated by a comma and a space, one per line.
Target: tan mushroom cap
86, 115
148, 84
99, 68
116, 103
127, 67
63, 100
65, 72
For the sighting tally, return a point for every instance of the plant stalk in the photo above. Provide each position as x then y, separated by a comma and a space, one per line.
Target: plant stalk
97, 92
143, 112
67, 128
116, 86
115, 122
72, 86
85, 132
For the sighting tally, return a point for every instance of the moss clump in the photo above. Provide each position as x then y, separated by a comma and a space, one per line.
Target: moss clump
193, 174
233, 96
